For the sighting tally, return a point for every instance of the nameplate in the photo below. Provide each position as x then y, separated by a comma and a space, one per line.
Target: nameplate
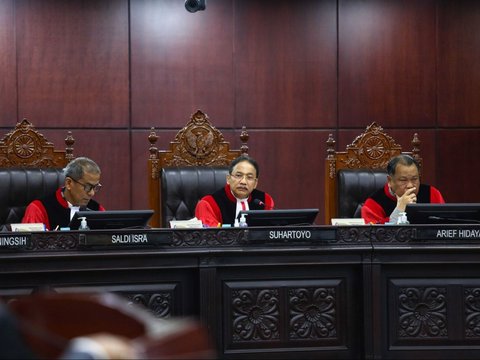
448, 233
128, 239
15, 241
285, 235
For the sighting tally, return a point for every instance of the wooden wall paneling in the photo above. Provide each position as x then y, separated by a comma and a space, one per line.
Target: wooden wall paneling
458, 170
285, 63
110, 149
140, 146
387, 63
73, 62
291, 166
8, 66
181, 62
428, 146
458, 63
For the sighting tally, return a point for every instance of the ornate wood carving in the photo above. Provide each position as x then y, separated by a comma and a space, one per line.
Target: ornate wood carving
26, 147
192, 238
159, 304
422, 312
312, 313
256, 315
53, 241
372, 149
399, 234
353, 235
199, 143
472, 312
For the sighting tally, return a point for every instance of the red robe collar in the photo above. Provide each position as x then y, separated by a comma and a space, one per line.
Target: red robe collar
386, 188
61, 200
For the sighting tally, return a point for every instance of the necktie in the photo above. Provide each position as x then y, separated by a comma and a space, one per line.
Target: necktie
243, 205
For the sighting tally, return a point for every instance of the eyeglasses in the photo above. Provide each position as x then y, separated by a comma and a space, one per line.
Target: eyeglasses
240, 176
89, 187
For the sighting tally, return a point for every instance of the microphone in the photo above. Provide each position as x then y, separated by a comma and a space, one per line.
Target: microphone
260, 203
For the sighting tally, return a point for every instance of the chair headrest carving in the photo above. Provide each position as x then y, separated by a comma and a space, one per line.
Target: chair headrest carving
199, 143
26, 147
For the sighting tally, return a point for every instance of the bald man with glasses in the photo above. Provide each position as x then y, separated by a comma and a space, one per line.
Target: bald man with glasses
239, 193
82, 182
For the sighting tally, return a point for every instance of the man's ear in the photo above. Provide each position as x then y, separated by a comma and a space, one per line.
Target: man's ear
68, 182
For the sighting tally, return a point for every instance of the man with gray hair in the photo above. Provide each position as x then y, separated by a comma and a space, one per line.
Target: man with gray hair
82, 182
403, 187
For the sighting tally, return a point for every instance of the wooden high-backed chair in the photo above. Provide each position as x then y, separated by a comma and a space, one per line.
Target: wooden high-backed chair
30, 168
352, 175
195, 165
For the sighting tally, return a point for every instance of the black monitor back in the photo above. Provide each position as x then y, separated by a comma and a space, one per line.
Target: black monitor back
112, 219
449, 213
284, 217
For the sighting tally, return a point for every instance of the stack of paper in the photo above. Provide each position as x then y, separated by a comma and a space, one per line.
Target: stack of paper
27, 227
186, 224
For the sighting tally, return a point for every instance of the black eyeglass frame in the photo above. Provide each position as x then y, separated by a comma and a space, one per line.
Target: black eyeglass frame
88, 187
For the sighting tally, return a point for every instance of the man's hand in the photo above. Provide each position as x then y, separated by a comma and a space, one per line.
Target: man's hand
409, 197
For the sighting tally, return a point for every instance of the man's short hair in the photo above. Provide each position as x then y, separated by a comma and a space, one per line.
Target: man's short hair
402, 159
244, 158
79, 166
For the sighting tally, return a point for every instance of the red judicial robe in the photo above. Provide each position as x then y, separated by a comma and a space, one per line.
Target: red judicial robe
53, 210
380, 204
220, 207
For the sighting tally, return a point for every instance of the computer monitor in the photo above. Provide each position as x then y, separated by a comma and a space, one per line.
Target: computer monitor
112, 219
450, 213
280, 217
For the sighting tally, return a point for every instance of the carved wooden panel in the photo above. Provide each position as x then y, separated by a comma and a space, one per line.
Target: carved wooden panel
26, 147
422, 312
283, 313
372, 149
199, 143
472, 312
433, 310
159, 303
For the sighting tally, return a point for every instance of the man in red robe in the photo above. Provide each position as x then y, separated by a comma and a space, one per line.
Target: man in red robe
82, 182
240, 193
403, 187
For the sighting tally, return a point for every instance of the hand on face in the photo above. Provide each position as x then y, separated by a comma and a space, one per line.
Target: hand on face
405, 185
408, 197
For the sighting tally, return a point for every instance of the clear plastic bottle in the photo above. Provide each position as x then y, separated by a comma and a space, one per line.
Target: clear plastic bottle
402, 218
83, 224
243, 221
